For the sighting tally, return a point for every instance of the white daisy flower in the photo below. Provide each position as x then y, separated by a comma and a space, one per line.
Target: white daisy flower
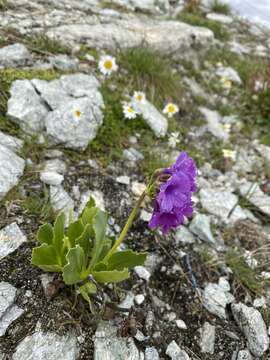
77, 114
174, 139
129, 111
171, 109
107, 65
226, 84
227, 128
139, 97
229, 154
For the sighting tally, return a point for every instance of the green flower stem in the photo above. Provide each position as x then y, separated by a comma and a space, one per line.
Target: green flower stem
126, 227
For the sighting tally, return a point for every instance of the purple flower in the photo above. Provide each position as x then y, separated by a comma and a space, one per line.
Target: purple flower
173, 201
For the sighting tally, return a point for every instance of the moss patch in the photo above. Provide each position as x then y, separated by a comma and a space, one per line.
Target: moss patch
198, 20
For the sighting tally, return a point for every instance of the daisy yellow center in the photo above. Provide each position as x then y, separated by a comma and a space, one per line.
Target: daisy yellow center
108, 64
77, 113
130, 110
171, 108
139, 97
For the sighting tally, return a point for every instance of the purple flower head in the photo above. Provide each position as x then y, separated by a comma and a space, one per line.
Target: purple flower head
173, 201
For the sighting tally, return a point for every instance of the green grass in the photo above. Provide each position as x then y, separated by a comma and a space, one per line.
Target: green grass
149, 71
246, 276
42, 44
113, 135
220, 7
198, 20
39, 206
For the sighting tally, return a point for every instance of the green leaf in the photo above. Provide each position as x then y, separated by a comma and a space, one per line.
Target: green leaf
74, 231
59, 232
88, 215
85, 240
45, 257
100, 226
45, 234
74, 270
110, 276
106, 247
126, 259
87, 290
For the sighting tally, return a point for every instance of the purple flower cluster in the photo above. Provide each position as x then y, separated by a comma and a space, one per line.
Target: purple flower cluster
173, 201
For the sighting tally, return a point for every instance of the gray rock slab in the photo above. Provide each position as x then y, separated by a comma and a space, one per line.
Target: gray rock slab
256, 196
200, 226
11, 142
14, 56
207, 341
151, 353
264, 152
51, 92
11, 237
11, 169
109, 346
25, 107
220, 203
156, 121
175, 353
51, 178
216, 298
224, 19
8, 310
244, 355
229, 74
64, 127
80, 85
184, 236
47, 346
214, 125
253, 326
169, 37
64, 63
60, 200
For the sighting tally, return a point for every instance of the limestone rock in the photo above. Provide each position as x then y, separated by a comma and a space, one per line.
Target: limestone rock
156, 121
25, 107
112, 347
207, 342
175, 353
60, 200
63, 126
229, 74
214, 125
216, 298
11, 142
251, 323
220, 203
8, 310
168, 37
224, 19
200, 226
14, 55
47, 346
11, 238
11, 169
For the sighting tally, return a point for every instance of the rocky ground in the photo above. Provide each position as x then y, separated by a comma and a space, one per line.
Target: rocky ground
204, 292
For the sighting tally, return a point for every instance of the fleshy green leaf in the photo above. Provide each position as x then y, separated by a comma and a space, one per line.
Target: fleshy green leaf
87, 290
74, 270
100, 226
88, 215
110, 276
85, 239
106, 247
46, 258
59, 232
125, 259
45, 234
74, 231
